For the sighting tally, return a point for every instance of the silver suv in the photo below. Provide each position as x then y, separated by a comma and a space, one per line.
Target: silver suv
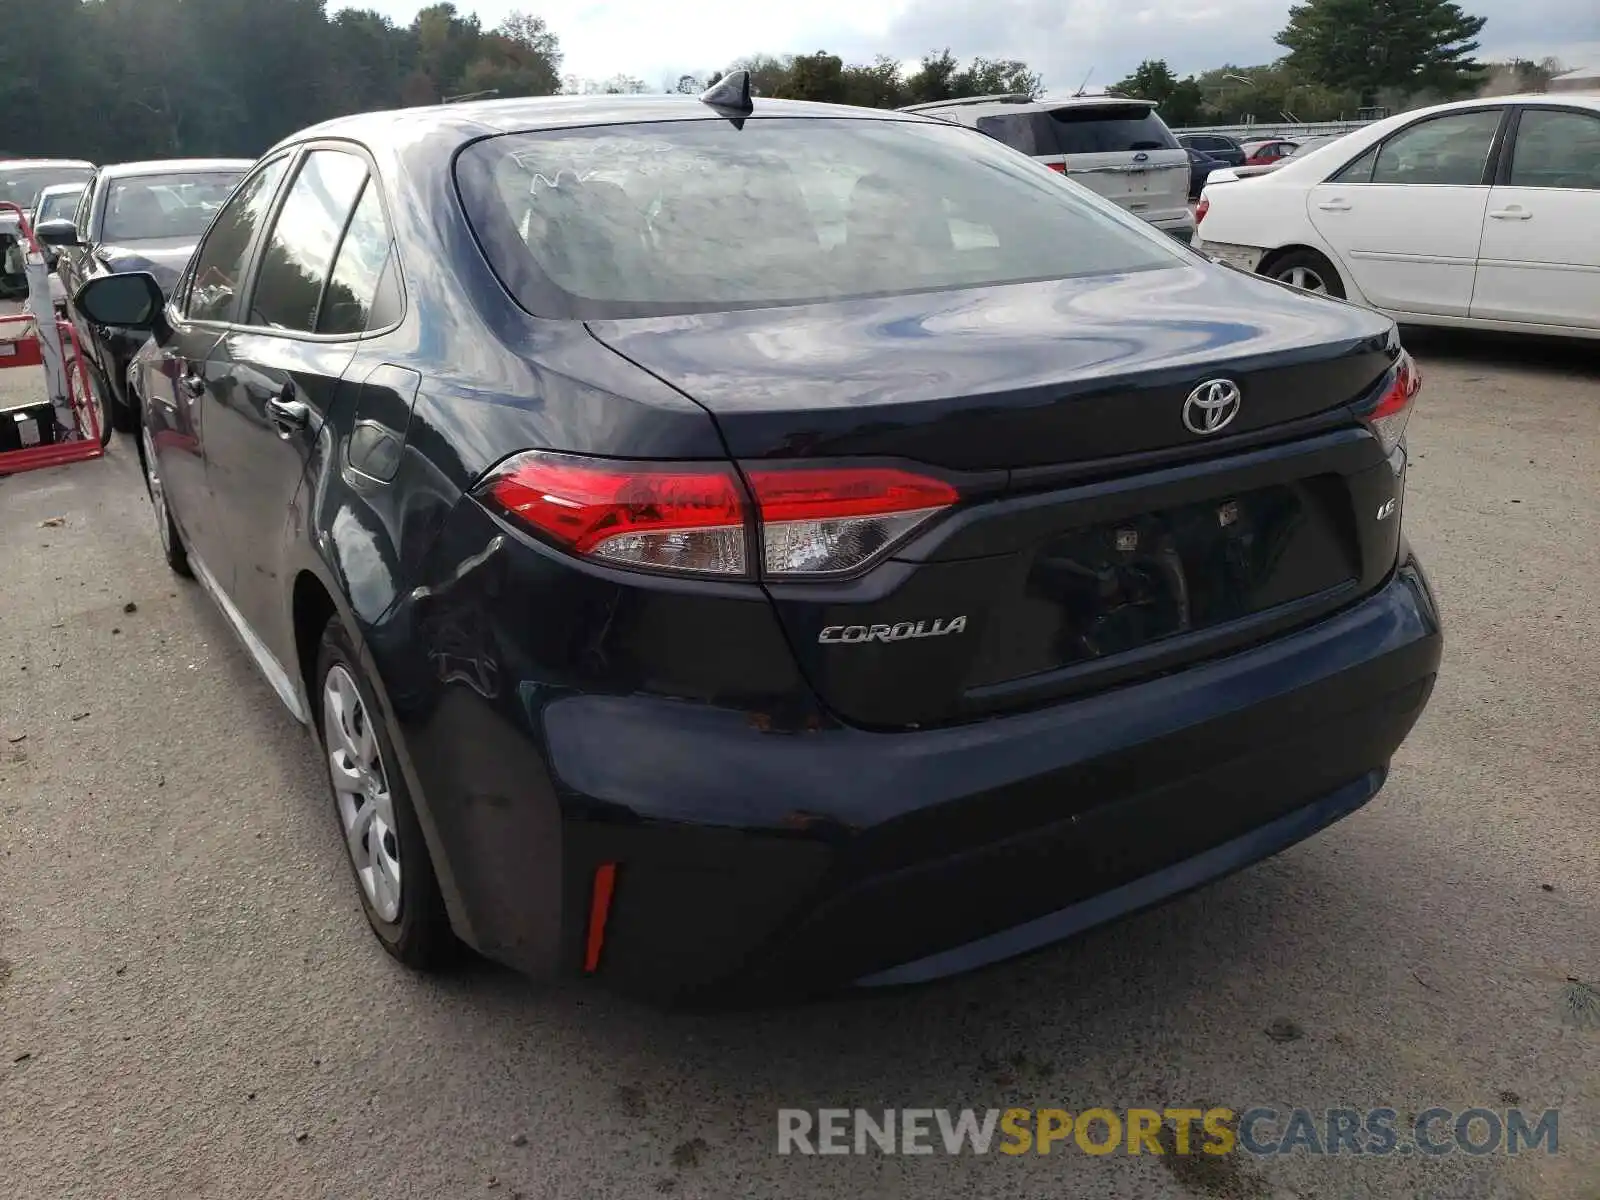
1119, 148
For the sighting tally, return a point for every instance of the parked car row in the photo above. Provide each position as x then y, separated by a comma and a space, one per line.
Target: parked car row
140, 216
23, 183
724, 543
1481, 214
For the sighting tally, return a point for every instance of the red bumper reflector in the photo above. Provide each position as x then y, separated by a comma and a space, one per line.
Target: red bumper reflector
605, 883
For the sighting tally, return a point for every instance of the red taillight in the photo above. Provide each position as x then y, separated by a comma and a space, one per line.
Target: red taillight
1060, 168
694, 517
1201, 209
669, 516
821, 521
1388, 419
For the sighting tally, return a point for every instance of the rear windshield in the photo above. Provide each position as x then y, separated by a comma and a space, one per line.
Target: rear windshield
144, 207
694, 216
1082, 129
1087, 129
20, 185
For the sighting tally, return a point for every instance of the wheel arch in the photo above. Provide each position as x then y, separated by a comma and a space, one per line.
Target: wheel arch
314, 601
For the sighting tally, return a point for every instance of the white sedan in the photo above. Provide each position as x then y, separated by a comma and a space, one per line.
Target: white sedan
1483, 214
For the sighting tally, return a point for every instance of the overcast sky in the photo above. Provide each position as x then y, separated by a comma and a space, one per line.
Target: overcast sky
1063, 39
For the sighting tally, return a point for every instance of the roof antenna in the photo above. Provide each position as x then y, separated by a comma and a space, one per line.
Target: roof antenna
730, 96
1084, 84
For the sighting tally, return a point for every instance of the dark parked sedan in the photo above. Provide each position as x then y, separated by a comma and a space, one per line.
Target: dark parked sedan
1214, 145
143, 216
1200, 168
722, 549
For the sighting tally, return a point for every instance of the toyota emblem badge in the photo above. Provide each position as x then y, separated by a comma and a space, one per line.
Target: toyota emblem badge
1212, 406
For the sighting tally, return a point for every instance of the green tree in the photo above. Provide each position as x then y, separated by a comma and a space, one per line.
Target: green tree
818, 76
769, 74
994, 77
1153, 80
1369, 45
875, 86
520, 58
1181, 101
934, 79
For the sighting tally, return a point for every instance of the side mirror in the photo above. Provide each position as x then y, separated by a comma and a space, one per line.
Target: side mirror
130, 301
57, 232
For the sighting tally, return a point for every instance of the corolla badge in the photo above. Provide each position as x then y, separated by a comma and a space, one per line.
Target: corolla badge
1212, 406
901, 632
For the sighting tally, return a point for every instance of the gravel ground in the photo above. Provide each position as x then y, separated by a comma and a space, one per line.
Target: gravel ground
191, 1006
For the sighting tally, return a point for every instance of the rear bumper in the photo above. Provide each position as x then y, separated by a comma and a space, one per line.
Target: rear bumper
1181, 228
793, 861
1245, 258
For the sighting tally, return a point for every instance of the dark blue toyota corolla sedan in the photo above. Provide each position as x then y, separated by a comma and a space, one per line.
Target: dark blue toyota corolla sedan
725, 546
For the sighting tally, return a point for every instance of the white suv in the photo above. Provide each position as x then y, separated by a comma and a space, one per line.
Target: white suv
1119, 148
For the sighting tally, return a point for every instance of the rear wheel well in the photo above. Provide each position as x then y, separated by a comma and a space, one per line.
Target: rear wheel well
1305, 255
313, 609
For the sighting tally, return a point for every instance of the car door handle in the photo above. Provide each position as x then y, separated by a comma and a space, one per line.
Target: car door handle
288, 416
1512, 214
1335, 206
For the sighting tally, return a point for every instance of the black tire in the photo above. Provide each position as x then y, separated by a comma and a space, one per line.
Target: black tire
419, 935
113, 413
1302, 264
124, 416
172, 547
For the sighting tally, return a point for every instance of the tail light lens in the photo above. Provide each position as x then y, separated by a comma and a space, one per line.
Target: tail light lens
695, 517
1060, 168
1201, 209
824, 521
666, 517
1389, 417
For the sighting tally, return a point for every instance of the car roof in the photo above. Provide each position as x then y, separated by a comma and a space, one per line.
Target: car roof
469, 121
175, 166
984, 106
23, 164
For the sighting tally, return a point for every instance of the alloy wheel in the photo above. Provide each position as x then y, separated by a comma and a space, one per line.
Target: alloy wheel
1304, 278
361, 790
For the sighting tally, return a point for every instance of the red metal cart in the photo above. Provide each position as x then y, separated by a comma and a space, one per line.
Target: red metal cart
65, 427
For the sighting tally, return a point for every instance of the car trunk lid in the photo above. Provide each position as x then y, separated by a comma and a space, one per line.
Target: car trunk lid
1102, 536
1012, 376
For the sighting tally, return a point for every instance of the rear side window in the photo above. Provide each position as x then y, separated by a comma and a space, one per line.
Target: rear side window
1452, 150
700, 216
1032, 133
363, 292
1110, 129
297, 256
1557, 149
219, 267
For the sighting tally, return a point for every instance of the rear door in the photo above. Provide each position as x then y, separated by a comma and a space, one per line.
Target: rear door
1539, 260
282, 363
1406, 217
180, 394
1125, 152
